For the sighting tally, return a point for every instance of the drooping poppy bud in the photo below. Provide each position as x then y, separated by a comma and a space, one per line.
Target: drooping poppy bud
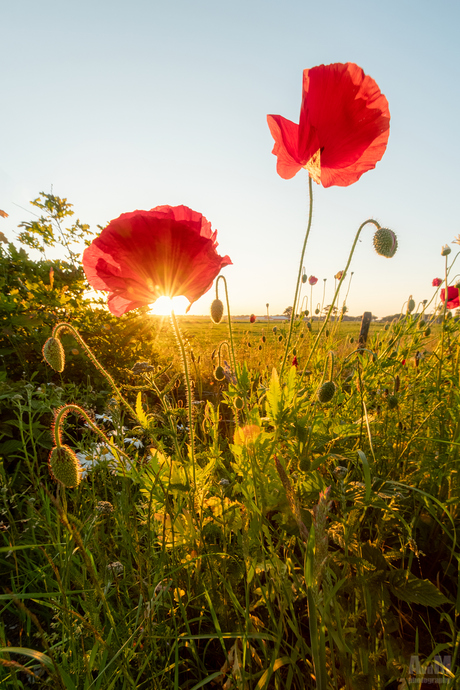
219, 373
252, 318
385, 242
326, 391
64, 466
410, 305
54, 355
217, 310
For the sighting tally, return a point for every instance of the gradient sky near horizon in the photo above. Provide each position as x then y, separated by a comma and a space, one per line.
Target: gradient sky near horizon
129, 105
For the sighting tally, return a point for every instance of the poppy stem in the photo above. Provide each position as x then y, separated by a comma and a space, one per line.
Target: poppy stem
299, 277
326, 320
229, 319
188, 386
67, 327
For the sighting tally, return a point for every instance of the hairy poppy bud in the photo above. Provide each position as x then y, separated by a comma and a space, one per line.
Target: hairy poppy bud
428, 331
385, 242
392, 402
217, 310
304, 278
53, 353
326, 391
410, 305
239, 403
219, 374
64, 466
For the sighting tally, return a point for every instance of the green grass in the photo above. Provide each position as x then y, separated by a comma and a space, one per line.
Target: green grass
294, 545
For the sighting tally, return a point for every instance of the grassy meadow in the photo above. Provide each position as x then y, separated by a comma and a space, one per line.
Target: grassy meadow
269, 531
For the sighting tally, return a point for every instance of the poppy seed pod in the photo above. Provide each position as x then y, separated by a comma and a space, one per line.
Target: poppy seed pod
64, 466
217, 311
326, 391
385, 242
219, 374
54, 355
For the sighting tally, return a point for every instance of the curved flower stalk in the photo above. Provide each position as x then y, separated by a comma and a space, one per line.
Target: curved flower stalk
53, 353
326, 320
229, 320
63, 462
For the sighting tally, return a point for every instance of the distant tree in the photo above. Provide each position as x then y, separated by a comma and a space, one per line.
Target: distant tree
288, 312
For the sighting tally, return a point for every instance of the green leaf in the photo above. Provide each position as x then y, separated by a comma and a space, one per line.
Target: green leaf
38, 656
274, 397
140, 412
415, 591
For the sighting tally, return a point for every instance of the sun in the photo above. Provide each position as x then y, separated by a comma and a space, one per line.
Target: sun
164, 306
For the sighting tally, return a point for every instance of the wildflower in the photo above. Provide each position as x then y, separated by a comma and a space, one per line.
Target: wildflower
343, 128
436, 282
104, 508
295, 361
116, 568
312, 280
252, 318
143, 255
446, 250
453, 300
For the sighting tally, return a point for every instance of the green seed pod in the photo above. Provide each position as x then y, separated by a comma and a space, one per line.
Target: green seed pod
392, 402
428, 331
64, 466
219, 374
385, 242
54, 355
326, 392
217, 311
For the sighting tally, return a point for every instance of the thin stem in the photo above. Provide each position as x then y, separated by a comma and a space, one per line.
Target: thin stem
444, 310
299, 277
326, 320
232, 347
67, 327
188, 387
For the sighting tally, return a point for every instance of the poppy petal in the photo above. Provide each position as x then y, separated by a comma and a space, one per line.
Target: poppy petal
286, 134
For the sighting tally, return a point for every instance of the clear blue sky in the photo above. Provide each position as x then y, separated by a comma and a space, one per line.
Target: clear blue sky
129, 105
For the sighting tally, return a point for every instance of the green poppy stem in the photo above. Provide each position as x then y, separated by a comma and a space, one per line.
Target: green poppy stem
229, 319
188, 386
299, 277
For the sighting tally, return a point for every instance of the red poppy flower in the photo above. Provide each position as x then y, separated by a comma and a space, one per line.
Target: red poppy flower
252, 318
140, 256
312, 280
436, 282
453, 300
295, 362
343, 129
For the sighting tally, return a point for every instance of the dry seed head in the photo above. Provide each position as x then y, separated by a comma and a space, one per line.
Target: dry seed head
385, 242
54, 355
217, 311
326, 392
64, 466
